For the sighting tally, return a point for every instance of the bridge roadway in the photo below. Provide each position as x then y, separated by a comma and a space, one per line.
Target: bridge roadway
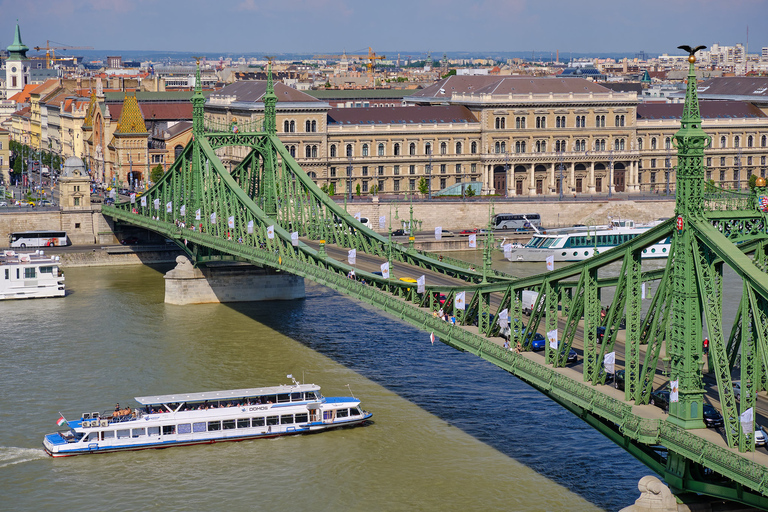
370, 263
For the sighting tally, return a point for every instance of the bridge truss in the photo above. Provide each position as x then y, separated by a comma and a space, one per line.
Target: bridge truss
266, 210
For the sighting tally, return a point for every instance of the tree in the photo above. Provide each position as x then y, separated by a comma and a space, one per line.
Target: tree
357, 190
470, 192
331, 189
374, 190
156, 173
423, 187
752, 182
324, 188
450, 73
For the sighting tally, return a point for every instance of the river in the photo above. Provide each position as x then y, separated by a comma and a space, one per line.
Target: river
450, 432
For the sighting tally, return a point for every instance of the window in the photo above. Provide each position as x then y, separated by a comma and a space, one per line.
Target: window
365, 186
541, 122
273, 420
333, 151
722, 176
640, 144
497, 147
412, 184
349, 149
29, 273
380, 186
735, 175
473, 168
653, 142
600, 121
286, 126
709, 161
396, 170
763, 141
412, 169
308, 126
458, 148
381, 170
443, 148
292, 127
750, 140
292, 151
722, 161
381, 149
520, 122
667, 143
396, 186
473, 147
365, 170
442, 168
458, 168
736, 141
412, 149
653, 163
442, 183
308, 152
428, 148
365, 149
722, 141
397, 149
333, 172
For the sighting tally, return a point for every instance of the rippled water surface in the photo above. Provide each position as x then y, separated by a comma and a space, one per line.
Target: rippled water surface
451, 432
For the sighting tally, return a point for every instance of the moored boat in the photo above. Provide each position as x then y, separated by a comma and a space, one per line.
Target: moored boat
30, 276
209, 417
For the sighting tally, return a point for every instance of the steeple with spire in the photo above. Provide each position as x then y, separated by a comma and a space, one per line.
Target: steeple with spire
18, 50
16, 65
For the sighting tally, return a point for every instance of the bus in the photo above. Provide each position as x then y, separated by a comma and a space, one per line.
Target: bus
38, 239
517, 221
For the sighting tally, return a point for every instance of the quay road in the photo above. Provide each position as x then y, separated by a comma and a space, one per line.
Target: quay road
371, 263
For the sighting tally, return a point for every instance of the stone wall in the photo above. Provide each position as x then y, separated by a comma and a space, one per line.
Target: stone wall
83, 227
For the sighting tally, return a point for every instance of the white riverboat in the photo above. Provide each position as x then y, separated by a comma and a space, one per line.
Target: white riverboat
30, 275
577, 244
210, 417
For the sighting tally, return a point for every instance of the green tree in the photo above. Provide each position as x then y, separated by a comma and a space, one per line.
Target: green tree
470, 192
357, 190
374, 190
331, 189
752, 182
450, 73
156, 173
423, 187
324, 188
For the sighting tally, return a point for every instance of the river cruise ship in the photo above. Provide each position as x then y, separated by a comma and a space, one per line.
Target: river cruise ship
211, 417
577, 244
30, 276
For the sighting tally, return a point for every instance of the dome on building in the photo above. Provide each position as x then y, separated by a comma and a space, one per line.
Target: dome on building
73, 167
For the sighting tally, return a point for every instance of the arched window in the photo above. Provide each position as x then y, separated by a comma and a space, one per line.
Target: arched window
622, 120
292, 150
722, 141
381, 149
517, 147
750, 140
308, 151
365, 149
397, 149
458, 148
333, 151
522, 146
503, 123
621, 145
314, 126
428, 148
503, 146
597, 121
653, 142
292, 127
286, 126
473, 147
443, 148
497, 147
667, 143
308, 126
736, 141
763, 140
617, 121
412, 148
640, 144
314, 151
498, 123
349, 149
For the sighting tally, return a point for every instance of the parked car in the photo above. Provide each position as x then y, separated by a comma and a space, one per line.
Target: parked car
537, 342
660, 398
46, 202
572, 355
448, 233
399, 232
712, 418
467, 231
737, 390
130, 240
618, 381
760, 435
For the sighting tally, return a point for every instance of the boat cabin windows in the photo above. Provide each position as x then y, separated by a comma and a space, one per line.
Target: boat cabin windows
286, 419
29, 273
342, 413
243, 422
273, 420
155, 431
214, 425
283, 398
198, 427
107, 435
124, 434
257, 422
169, 429
137, 432
228, 424
301, 418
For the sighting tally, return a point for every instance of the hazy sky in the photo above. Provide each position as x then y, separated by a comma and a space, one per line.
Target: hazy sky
330, 26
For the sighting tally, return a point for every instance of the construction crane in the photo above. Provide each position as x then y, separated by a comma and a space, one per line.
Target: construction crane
50, 51
371, 58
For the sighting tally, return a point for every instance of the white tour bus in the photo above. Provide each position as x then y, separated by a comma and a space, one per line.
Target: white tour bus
517, 221
38, 239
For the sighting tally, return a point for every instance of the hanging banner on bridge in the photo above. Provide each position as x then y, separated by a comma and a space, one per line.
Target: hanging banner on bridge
197, 215
609, 362
385, 270
144, 202
213, 218
551, 262
157, 204
133, 198
383, 222
439, 233
460, 302
673, 386
250, 227
358, 215
473, 241
762, 201
421, 284
745, 419
504, 318
231, 221
113, 193
642, 291
352, 257
295, 239
552, 337
183, 210
270, 231
680, 223
169, 207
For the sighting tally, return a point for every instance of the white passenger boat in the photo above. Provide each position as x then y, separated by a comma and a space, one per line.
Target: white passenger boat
577, 244
30, 275
210, 417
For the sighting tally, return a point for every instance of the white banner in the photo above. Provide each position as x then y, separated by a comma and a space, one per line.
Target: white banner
551, 262
438, 233
552, 337
609, 362
270, 231
183, 210
421, 284
113, 193
385, 270
357, 216
133, 198
169, 206
746, 419
157, 204
460, 302
213, 218
295, 238
673, 384
383, 222
506, 248
250, 226
231, 221
352, 257
642, 291
197, 215
504, 318
473, 241
143, 201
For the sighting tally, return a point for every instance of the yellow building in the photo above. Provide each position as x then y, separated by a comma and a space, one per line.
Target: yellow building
5, 158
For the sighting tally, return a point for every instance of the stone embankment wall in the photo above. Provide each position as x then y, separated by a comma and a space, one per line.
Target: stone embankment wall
83, 227
113, 256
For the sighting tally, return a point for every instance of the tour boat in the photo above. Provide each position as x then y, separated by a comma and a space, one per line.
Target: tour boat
30, 275
210, 417
580, 243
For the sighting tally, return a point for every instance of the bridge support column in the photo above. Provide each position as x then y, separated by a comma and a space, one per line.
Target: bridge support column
228, 282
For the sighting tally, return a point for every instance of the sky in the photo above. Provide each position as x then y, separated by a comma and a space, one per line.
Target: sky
411, 27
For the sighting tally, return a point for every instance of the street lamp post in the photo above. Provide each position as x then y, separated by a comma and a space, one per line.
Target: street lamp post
560, 158
429, 177
610, 174
349, 178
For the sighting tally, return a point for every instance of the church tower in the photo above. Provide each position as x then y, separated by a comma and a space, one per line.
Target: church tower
16, 66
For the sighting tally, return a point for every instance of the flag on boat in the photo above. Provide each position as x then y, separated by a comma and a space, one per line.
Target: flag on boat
197, 215
421, 283
383, 222
183, 210
295, 238
61, 420
552, 337
169, 207
745, 419
144, 201
250, 226
385, 270
432, 338
551, 262
673, 386
609, 362
438, 233
213, 218
473, 241
231, 221
357, 216
271, 231
157, 204
133, 198
352, 256
460, 301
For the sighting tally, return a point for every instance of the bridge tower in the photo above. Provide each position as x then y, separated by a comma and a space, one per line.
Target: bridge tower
684, 333
268, 190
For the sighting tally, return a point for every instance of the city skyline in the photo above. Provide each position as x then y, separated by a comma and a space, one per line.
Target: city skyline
333, 26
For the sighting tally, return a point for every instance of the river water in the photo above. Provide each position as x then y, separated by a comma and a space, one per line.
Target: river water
451, 432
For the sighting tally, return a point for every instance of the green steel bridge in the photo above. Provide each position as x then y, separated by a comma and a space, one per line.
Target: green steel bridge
268, 212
